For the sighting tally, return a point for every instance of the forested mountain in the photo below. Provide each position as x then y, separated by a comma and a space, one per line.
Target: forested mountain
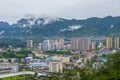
44, 27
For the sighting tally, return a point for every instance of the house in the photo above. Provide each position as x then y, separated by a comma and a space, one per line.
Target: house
97, 65
68, 66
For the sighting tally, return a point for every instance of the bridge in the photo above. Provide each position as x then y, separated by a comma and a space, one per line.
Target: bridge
15, 74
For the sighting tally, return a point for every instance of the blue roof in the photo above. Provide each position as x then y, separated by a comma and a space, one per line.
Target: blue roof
104, 59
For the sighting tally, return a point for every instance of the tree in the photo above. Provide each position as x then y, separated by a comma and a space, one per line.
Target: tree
111, 69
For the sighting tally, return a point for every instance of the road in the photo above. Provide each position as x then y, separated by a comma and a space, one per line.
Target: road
15, 74
38, 54
101, 50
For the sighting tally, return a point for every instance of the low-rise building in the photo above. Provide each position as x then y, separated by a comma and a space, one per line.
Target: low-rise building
80, 62
97, 65
55, 66
38, 65
9, 67
66, 59
68, 66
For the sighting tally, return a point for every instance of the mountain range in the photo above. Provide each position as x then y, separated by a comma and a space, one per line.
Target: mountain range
49, 27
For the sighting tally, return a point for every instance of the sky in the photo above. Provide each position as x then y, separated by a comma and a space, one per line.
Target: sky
13, 10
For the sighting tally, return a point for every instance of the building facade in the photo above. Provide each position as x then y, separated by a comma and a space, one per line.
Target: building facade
52, 44
29, 43
93, 45
80, 43
109, 43
55, 66
116, 43
8, 67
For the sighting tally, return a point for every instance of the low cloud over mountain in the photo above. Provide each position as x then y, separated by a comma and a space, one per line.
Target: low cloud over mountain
41, 27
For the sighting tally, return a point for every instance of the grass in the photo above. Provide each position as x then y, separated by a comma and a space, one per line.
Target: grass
19, 77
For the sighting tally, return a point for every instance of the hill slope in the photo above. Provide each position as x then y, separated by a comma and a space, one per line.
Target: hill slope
43, 27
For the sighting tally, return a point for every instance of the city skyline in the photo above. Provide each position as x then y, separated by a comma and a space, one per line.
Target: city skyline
59, 39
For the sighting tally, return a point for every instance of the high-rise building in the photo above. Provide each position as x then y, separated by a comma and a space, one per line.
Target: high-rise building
55, 66
46, 45
40, 46
80, 43
116, 43
74, 43
52, 46
29, 43
93, 45
108, 42
60, 43
100, 45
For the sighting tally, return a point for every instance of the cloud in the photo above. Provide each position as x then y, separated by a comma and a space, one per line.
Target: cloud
12, 10
71, 28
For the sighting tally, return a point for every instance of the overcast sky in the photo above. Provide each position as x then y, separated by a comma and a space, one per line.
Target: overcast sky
12, 10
